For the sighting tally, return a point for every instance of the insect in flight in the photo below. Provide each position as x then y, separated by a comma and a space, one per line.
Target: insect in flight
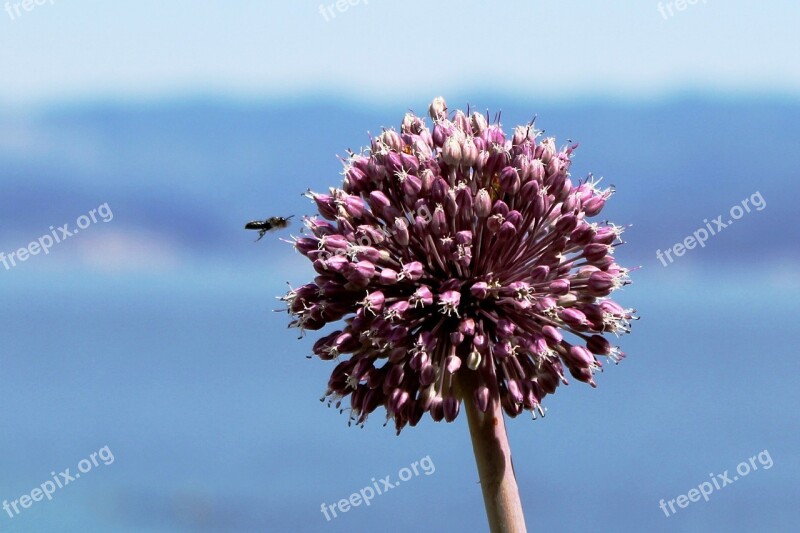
263, 226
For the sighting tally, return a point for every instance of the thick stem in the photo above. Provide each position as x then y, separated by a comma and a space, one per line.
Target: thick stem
493, 457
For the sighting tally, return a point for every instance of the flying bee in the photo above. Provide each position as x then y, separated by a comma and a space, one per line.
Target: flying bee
263, 226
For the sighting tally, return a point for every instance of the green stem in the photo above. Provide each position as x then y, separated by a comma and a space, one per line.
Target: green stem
493, 458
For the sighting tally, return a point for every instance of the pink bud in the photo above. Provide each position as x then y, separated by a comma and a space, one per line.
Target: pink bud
580, 357
509, 180
361, 272
601, 283
412, 271
572, 317
469, 152
439, 222
374, 302
552, 335
467, 326
438, 109
421, 297
451, 408
451, 152
453, 363
401, 235
483, 203
599, 345
479, 290
559, 287
595, 252
388, 276
594, 206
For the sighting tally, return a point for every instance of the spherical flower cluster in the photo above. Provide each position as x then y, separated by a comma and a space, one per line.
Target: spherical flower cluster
458, 250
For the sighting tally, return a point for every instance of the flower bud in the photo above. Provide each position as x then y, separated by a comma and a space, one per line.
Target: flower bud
582, 234
325, 205
601, 283
467, 326
453, 363
494, 223
546, 150
566, 223
483, 203
373, 303
474, 360
451, 407
514, 218
595, 252
427, 374
605, 235
412, 186
579, 357
412, 271
559, 287
505, 328
509, 180
388, 276
572, 317
361, 272
478, 122
582, 374
599, 345
438, 109
552, 335
514, 391
401, 235
451, 152
378, 201
439, 223
594, 206
480, 290
506, 232
540, 273
392, 139
501, 350
441, 132
449, 302
421, 297
469, 152
461, 121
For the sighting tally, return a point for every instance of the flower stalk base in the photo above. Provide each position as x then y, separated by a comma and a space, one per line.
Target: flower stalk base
495, 469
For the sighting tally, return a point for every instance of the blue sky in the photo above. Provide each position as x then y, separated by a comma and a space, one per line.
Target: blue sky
68, 50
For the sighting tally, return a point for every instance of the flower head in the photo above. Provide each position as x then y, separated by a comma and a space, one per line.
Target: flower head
459, 250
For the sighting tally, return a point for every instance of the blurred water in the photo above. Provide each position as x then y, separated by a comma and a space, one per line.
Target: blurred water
213, 415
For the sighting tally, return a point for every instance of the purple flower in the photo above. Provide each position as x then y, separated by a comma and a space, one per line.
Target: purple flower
456, 251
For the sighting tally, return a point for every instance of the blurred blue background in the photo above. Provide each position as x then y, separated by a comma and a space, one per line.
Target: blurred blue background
154, 333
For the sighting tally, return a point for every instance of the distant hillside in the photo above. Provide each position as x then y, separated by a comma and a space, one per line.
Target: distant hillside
194, 172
